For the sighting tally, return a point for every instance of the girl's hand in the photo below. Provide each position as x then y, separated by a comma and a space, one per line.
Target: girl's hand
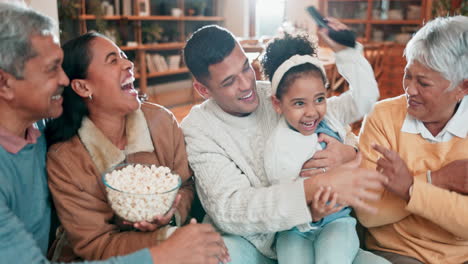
335, 24
322, 205
158, 221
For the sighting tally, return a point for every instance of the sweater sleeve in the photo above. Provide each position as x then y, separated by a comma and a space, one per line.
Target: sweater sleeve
391, 208
364, 93
87, 219
275, 170
181, 166
231, 200
18, 246
447, 209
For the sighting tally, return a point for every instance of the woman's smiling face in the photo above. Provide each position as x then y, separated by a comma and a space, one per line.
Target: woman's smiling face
428, 97
110, 74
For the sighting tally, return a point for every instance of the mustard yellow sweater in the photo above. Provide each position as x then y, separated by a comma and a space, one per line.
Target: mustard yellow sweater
433, 226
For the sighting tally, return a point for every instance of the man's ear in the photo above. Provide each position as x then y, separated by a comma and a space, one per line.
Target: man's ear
276, 104
81, 88
6, 91
202, 90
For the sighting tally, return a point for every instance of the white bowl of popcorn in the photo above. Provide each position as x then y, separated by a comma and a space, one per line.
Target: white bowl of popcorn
139, 192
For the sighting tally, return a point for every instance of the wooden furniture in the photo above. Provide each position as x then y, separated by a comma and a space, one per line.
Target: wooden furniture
179, 15
375, 54
382, 21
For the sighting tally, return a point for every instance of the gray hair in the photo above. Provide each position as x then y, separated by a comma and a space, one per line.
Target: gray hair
17, 26
442, 45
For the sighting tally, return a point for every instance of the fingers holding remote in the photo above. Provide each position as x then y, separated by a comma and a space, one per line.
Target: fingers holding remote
323, 33
335, 24
337, 36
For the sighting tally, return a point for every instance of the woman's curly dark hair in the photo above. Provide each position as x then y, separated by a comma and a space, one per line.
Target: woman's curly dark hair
282, 48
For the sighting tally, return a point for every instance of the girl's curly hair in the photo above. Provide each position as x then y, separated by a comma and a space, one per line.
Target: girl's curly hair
282, 48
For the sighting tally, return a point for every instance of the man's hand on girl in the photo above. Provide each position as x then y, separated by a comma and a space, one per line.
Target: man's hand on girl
335, 154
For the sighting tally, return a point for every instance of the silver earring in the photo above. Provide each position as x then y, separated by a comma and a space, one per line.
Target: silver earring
90, 97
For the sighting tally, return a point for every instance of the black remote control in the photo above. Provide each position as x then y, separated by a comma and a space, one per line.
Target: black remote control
344, 37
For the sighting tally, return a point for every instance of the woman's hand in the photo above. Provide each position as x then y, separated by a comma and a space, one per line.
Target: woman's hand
322, 205
335, 24
453, 176
335, 154
158, 221
192, 244
398, 174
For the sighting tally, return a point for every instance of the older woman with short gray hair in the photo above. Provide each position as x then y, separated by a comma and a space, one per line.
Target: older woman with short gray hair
419, 141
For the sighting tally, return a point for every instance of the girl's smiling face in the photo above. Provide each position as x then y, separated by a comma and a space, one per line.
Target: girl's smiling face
303, 105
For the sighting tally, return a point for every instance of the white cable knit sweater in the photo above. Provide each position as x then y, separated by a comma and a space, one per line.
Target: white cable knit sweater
226, 154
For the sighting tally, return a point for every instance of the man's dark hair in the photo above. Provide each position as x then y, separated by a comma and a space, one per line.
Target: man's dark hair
208, 45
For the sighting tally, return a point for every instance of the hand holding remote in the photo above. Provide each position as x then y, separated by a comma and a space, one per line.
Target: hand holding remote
324, 34
336, 31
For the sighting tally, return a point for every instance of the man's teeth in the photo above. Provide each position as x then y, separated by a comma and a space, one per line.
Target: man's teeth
247, 96
56, 97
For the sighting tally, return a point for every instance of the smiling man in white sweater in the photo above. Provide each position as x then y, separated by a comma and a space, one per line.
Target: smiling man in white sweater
225, 139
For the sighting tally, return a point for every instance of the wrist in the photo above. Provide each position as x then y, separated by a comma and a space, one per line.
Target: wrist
434, 179
352, 151
356, 149
311, 186
409, 191
172, 222
157, 254
429, 177
316, 220
337, 47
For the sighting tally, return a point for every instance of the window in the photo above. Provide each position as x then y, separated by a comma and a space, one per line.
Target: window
269, 16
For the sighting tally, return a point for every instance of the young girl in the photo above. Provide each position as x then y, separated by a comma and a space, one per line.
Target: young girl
298, 84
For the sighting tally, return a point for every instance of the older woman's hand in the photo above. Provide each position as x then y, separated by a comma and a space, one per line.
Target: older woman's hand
158, 221
398, 174
453, 176
335, 154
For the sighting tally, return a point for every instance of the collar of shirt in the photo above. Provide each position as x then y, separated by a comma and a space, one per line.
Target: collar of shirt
13, 144
455, 127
